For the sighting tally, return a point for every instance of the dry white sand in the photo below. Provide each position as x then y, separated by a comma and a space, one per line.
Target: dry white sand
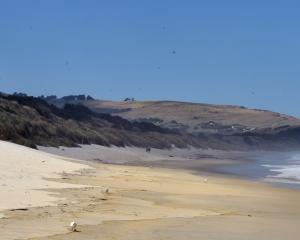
23, 172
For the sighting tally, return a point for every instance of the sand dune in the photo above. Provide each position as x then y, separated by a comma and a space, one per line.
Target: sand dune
23, 171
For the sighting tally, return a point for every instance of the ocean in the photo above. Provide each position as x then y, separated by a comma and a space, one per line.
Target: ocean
280, 168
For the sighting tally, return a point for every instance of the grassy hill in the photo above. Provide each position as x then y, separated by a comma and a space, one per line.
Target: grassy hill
32, 121
194, 117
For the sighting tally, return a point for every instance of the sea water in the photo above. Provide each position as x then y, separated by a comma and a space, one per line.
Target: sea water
285, 171
281, 168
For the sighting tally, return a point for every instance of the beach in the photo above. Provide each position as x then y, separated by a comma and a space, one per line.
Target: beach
113, 201
23, 171
280, 168
149, 120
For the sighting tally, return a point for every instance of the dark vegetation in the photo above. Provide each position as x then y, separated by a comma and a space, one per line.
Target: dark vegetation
32, 121
80, 97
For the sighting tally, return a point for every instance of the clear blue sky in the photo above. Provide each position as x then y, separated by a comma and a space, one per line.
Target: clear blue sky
228, 52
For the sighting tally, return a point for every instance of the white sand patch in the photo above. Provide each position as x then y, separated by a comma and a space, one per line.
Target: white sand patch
23, 172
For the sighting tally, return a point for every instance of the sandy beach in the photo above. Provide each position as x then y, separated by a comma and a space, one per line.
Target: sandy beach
141, 203
24, 170
149, 120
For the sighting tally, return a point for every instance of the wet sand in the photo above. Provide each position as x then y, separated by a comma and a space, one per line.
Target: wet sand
157, 203
148, 203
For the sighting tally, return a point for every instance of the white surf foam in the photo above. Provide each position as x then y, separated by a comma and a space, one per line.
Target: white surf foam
286, 173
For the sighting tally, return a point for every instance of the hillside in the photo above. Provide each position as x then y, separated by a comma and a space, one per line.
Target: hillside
194, 117
71, 121
32, 121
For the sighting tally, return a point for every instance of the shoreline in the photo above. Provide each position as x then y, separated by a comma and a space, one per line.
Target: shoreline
235, 164
142, 201
148, 202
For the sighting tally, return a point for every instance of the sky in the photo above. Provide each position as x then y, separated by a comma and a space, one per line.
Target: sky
222, 52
